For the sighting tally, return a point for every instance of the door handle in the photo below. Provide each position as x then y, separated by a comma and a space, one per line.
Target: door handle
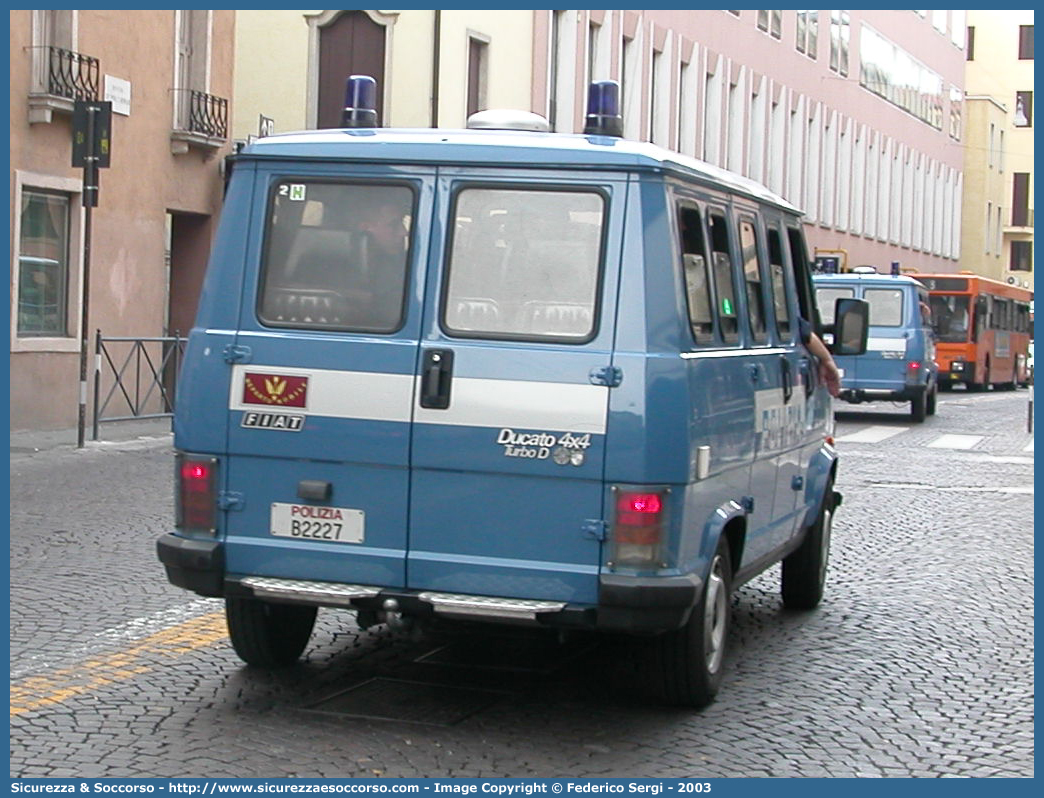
806, 375
436, 378
788, 378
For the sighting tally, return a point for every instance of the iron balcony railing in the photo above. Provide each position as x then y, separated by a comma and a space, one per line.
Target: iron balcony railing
72, 75
140, 375
208, 115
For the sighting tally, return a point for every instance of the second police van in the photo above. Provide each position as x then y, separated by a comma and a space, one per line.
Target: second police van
501, 375
899, 362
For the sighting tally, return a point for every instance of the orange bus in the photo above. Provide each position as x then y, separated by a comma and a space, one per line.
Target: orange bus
983, 330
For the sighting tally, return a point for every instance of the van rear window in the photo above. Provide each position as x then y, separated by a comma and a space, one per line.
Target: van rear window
886, 306
826, 297
524, 263
335, 256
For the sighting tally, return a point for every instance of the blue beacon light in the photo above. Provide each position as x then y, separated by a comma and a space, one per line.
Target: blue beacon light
895, 268
603, 109
360, 102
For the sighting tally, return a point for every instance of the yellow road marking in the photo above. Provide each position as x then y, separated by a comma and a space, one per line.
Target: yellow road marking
37, 692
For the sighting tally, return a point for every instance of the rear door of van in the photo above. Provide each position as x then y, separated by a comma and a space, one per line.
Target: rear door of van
322, 374
883, 366
514, 374
827, 294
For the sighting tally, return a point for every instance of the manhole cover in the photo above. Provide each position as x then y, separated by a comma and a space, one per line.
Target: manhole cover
502, 654
413, 702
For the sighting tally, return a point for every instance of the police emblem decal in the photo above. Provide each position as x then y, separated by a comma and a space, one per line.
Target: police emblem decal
274, 389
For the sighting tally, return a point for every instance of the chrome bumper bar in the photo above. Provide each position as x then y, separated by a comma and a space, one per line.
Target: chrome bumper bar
449, 604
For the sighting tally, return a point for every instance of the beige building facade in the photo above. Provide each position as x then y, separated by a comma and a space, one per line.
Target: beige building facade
169, 85
997, 241
432, 67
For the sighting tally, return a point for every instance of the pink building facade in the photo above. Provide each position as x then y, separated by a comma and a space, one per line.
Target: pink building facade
854, 116
169, 85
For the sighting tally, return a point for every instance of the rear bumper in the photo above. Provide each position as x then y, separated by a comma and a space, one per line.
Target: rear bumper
906, 393
196, 565
635, 605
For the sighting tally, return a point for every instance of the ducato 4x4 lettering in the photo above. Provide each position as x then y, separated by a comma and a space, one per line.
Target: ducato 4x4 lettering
563, 449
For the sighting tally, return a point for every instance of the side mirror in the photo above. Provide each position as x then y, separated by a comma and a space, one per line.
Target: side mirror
851, 326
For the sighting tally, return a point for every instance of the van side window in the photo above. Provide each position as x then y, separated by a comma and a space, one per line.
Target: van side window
697, 277
752, 280
778, 284
524, 264
886, 306
721, 269
802, 277
336, 256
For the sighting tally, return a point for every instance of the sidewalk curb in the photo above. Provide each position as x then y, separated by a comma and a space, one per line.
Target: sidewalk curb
113, 437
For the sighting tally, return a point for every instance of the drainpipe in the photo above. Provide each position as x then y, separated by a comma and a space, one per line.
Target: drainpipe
436, 58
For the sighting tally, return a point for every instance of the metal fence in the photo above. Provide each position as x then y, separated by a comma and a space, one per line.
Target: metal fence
139, 377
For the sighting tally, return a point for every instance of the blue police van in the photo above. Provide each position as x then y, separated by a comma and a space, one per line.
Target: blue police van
899, 362
502, 375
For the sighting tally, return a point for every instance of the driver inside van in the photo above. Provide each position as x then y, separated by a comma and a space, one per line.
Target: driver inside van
382, 250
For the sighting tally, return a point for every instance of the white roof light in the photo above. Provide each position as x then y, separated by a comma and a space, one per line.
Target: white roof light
504, 119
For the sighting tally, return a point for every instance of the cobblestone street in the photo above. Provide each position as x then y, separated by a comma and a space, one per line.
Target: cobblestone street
919, 662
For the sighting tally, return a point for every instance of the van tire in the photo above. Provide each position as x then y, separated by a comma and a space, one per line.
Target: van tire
933, 396
804, 569
688, 663
919, 406
268, 635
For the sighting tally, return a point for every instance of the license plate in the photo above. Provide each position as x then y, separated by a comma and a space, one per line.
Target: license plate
312, 522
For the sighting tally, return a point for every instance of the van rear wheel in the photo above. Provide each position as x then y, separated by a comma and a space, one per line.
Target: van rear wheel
933, 396
804, 569
268, 635
919, 406
688, 663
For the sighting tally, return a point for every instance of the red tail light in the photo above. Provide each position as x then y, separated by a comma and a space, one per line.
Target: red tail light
196, 508
638, 516
639, 524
